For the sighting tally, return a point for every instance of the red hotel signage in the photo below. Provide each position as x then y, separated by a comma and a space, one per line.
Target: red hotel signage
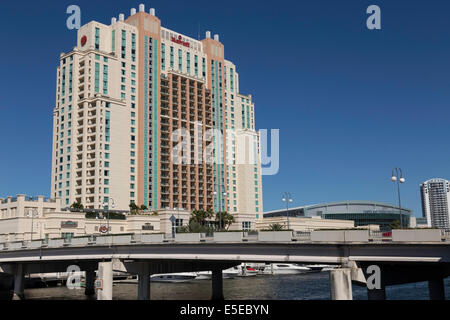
83, 41
179, 41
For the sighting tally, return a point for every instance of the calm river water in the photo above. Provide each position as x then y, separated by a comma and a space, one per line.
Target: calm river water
310, 286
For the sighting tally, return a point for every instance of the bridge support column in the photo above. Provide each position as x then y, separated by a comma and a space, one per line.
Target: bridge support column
19, 280
376, 294
105, 273
341, 284
436, 289
90, 282
144, 282
217, 285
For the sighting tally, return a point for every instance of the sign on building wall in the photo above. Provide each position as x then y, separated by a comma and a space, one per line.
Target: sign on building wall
69, 224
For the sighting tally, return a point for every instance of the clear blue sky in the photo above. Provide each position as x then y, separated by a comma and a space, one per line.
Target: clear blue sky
350, 103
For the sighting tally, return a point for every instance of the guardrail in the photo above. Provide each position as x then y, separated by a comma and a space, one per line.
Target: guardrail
319, 236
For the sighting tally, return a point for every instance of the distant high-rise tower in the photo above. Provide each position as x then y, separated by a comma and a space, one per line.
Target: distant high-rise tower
436, 202
126, 94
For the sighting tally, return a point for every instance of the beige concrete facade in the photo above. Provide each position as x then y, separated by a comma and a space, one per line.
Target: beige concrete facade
23, 218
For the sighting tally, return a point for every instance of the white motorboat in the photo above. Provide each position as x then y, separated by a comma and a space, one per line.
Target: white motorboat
245, 270
174, 277
321, 267
285, 268
207, 275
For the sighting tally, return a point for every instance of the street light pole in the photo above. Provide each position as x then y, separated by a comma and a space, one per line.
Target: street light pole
32, 212
32, 224
286, 197
397, 176
106, 204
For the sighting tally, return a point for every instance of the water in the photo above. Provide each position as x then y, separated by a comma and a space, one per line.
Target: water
310, 286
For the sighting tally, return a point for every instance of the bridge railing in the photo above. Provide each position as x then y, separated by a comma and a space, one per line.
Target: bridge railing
349, 236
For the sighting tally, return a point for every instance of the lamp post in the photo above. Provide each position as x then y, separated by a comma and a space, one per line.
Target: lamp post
397, 176
286, 197
32, 213
106, 207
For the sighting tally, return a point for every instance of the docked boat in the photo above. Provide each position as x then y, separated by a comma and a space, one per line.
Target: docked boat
244, 270
174, 277
226, 274
285, 268
321, 267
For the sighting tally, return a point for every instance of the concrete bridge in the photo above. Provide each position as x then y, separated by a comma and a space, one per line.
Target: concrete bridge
401, 257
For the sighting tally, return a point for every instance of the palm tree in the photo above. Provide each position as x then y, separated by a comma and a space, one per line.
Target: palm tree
276, 227
77, 206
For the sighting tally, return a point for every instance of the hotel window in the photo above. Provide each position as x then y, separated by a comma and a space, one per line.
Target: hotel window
163, 56
180, 60
97, 77
188, 65
106, 191
124, 39
106, 181
196, 65
105, 79
204, 67
171, 57
97, 38
133, 47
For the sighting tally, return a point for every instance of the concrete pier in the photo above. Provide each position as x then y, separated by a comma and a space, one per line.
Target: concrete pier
89, 289
217, 285
19, 280
341, 284
105, 273
376, 294
436, 289
144, 282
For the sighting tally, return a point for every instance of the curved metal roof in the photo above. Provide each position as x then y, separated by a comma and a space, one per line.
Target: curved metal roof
344, 203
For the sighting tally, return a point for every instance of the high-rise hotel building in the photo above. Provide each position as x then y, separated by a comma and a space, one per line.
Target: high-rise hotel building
436, 202
130, 97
